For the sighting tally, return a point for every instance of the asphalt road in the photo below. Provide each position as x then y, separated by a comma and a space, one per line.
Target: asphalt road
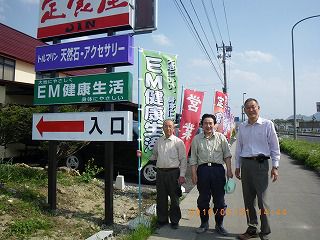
294, 203
306, 137
310, 138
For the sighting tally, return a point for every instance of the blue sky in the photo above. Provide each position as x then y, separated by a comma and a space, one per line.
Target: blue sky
260, 63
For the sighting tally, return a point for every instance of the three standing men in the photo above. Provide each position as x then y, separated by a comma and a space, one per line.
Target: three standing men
257, 142
170, 153
209, 152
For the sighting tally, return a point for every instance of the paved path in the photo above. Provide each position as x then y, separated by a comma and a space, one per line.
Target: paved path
294, 200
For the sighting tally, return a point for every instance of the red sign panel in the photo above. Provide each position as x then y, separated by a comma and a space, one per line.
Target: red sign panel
192, 105
67, 18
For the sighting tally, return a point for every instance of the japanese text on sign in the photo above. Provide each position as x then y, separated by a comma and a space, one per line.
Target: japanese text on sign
76, 54
159, 90
116, 50
154, 102
83, 126
63, 17
189, 123
51, 9
114, 87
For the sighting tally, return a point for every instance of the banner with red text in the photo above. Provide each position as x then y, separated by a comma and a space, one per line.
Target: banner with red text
189, 124
220, 106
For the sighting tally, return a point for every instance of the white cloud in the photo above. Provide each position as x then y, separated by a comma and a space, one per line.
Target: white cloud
257, 56
2, 10
30, 1
245, 76
161, 39
200, 63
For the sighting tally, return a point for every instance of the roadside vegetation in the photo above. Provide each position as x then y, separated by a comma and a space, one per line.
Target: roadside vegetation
305, 152
16, 127
25, 214
24, 211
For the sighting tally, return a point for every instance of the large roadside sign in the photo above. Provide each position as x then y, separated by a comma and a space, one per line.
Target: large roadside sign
106, 87
116, 50
83, 126
68, 18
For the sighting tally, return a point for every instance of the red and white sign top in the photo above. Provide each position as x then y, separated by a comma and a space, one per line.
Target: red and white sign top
65, 17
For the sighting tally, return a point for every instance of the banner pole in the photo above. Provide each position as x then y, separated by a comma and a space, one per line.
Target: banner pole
181, 98
139, 136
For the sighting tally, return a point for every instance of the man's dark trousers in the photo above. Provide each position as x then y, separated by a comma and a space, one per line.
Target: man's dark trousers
255, 181
167, 184
211, 181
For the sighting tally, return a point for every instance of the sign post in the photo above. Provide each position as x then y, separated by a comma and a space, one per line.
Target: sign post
52, 158
108, 163
62, 19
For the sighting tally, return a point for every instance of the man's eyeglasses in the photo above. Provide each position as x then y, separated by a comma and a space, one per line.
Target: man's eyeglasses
251, 108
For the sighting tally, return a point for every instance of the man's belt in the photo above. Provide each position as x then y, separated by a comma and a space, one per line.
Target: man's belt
259, 158
210, 164
167, 169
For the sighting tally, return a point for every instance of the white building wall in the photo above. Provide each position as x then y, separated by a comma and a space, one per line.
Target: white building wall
24, 72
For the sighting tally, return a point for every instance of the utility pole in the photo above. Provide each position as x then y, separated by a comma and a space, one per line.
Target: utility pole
224, 52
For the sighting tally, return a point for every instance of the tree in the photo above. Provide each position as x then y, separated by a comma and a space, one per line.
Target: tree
16, 123
16, 127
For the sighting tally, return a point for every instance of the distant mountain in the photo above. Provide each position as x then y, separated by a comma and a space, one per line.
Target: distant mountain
306, 118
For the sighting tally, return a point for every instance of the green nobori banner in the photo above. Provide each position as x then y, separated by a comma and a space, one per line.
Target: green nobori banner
107, 87
159, 102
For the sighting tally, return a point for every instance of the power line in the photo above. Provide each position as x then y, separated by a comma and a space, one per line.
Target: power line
189, 26
215, 16
209, 21
205, 35
199, 38
225, 16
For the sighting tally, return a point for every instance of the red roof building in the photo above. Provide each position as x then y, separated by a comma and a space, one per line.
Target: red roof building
17, 58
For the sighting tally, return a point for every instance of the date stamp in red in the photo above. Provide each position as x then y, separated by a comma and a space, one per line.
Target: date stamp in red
239, 212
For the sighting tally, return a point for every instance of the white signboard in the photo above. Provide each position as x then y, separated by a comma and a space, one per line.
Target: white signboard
83, 126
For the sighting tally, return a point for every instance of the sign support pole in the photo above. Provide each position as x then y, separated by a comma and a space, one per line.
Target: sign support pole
108, 163
52, 157
108, 168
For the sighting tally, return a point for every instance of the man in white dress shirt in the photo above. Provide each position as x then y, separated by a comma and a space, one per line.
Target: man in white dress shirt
257, 143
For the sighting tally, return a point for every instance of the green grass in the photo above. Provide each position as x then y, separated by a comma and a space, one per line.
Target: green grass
25, 227
142, 232
21, 200
12, 173
24, 209
305, 152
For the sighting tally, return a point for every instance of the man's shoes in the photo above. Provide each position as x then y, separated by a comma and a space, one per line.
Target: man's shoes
203, 228
161, 224
264, 236
174, 225
221, 230
250, 233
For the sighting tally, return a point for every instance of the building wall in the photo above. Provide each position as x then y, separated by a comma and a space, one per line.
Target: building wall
19, 99
24, 72
2, 95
